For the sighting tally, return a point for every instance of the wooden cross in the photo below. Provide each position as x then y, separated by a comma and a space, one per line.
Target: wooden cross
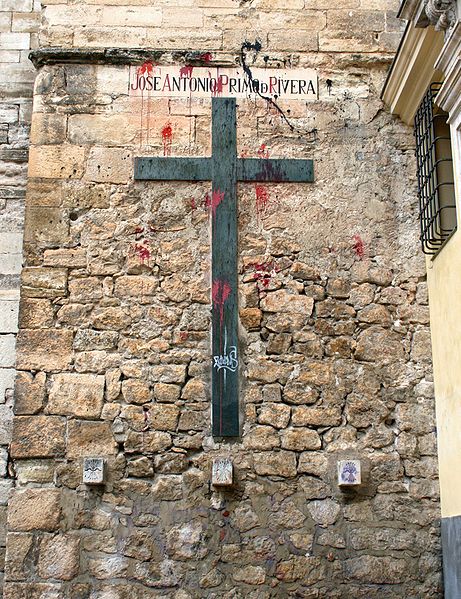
224, 169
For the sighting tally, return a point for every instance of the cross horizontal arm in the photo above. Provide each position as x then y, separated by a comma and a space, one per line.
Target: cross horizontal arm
278, 171
173, 169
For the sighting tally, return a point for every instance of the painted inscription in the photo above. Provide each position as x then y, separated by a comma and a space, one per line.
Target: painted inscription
208, 82
227, 361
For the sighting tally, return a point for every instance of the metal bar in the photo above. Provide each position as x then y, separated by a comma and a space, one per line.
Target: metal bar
173, 169
276, 170
225, 350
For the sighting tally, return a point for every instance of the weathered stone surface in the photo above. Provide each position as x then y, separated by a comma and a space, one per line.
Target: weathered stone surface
261, 437
92, 439
376, 570
38, 437
297, 439
250, 575
324, 512
47, 350
35, 313
44, 282
18, 546
59, 557
281, 301
79, 395
377, 344
136, 391
163, 417
282, 463
34, 509
29, 392
307, 416
275, 414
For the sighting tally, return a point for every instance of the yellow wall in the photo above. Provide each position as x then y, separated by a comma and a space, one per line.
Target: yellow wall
444, 281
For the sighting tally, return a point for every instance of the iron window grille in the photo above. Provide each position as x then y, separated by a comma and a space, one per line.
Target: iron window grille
436, 192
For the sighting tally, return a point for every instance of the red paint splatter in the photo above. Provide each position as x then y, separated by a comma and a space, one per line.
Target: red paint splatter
186, 71
220, 291
358, 247
218, 87
193, 203
167, 138
262, 272
183, 335
207, 200
142, 251
147, 68
206, 57
262, 199
216, 198
263, 151
244, 153
222, 535
138, 230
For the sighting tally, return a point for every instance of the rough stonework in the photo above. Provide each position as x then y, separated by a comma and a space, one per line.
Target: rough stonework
114, 340
19, 21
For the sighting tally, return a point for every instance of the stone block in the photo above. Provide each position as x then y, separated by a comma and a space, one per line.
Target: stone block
186, 17
300, 439
163, 417
80, 194
29, 393
261, 438
66, 257
168, 373
27, 22
7, 376
90, 439
281, 463
31, 590
274, 414
310, 416
56, 162
298, 40
59, 557
41, 192
35, 313
6, 418
109, 165
34, 509
78, 395
44, 349
135, 286
7, 351
38, 437
102, 129
88, 339
8, 316
44, 282
86, 289
282, 301
18, 545
48, 128
136, 391
14, 41
376, 344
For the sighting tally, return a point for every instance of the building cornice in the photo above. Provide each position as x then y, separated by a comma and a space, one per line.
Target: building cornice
449, 61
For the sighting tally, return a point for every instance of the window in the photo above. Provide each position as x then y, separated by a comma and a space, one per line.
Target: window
436, 191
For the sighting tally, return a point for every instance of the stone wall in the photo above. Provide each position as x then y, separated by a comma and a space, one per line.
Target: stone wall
114, 348
18, 28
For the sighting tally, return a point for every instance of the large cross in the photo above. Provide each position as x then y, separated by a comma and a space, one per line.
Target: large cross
224, 169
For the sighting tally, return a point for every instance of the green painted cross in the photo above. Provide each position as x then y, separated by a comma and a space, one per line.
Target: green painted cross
224, 169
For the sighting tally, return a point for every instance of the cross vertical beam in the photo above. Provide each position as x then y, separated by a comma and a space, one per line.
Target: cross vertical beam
225, 405
224, 169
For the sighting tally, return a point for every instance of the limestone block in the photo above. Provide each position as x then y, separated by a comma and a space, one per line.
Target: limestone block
85, 289
183, 18
18, 545
34, 509
275, 414
281, 463
48, 128
299, 439
32, 590
136, 391
41, 192
267, 371
8, 316
7, 376
80, 194
38, 437
250, 575
88, 339
322, 416
6, 418
293, 40
261, 438
168, 373
110, 318
92, 439
376, 570
102, 129
35, 313
109, 165
167, 488
44, 224
380, 345
250, 318
282, 301
66, 257
324, 512
44, 349
177, 38
193, 420
29, 393
7, 351
44, 282
135, 286
163, 417
56, 162
14, 41
79, 395
195, 390
59, 557
375, 314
